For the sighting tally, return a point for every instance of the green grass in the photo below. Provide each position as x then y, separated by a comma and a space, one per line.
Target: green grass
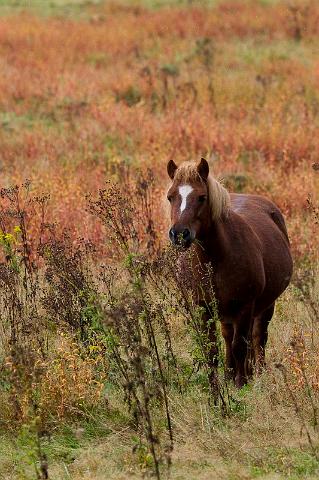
83, 8
292, 463
254, 52
68, 8
73, 455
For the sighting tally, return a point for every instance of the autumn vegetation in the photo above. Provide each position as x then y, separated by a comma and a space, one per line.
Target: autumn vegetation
103, 370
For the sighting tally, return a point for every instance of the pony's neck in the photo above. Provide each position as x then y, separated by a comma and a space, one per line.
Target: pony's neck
215, 243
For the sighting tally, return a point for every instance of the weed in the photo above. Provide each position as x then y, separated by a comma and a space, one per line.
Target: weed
102, 348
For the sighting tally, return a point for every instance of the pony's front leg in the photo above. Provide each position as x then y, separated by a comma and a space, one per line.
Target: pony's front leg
228, 335
242, 330
212, 354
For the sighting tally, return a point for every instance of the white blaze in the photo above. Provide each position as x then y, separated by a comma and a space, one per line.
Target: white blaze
184, 191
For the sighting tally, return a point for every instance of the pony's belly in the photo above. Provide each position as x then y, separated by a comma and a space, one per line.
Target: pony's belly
232, 310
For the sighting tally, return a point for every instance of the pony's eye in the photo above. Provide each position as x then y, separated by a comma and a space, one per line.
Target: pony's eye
202, 198
169, 198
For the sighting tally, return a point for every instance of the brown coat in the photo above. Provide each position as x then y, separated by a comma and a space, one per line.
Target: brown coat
244, 238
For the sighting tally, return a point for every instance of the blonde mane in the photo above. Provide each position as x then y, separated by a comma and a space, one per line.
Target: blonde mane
219, 199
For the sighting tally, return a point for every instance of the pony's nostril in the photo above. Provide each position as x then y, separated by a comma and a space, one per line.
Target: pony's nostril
186, 234
180, 237
172, 235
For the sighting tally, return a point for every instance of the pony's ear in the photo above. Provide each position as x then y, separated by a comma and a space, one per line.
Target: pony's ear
171, 168
203, 168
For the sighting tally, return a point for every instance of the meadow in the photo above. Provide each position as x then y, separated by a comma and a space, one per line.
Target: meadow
103, 370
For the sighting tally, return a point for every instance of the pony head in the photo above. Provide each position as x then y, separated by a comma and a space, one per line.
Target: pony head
196, 200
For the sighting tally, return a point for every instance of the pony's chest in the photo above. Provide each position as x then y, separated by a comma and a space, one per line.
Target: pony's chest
233, 291
232, 283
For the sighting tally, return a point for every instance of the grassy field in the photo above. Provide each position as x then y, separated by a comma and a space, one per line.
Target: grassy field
96, 91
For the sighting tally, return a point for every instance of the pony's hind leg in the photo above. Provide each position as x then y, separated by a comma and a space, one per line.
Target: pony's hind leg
260, 337
228, 335
240, 344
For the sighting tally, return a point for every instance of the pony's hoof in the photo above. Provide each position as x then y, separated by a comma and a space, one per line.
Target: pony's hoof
240, 381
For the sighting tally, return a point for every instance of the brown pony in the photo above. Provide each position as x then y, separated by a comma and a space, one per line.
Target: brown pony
245, 240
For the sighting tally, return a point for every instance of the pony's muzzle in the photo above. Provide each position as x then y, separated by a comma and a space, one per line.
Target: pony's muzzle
181, 237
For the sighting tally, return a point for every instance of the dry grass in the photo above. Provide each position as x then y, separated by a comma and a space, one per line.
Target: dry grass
265, 437
91, 90
228, 82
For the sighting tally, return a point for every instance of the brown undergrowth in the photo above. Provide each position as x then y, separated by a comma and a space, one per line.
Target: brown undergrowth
102, 352
122, 344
